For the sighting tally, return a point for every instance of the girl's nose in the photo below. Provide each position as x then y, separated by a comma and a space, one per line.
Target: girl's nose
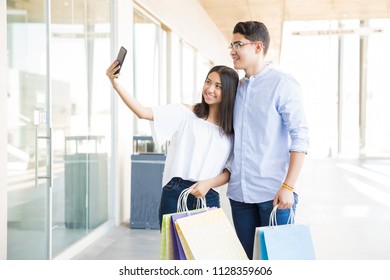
211, 88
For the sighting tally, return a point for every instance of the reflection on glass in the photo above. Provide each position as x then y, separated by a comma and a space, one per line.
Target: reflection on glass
27, 197
44, 114
80, 52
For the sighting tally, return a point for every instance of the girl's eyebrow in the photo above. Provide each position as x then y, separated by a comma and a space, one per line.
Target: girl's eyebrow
208, 79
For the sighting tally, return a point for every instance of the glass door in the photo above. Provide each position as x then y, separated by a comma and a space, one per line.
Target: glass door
80, 55
29, 137
59, 124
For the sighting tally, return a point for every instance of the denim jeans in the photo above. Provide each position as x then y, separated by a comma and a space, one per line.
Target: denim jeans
171, 192
247, 216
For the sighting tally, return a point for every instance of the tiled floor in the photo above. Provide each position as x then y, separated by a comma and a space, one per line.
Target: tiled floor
345, 202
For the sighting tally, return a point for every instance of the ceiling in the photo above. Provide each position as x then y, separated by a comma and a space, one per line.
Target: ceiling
226, 13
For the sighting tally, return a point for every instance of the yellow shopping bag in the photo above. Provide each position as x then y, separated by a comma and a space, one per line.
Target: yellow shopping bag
167, 243
209, 235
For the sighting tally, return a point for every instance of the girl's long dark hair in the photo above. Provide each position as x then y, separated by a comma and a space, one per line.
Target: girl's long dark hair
229, 81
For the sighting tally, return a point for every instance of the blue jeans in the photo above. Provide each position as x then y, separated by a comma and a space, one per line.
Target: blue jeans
248, 216
171, 192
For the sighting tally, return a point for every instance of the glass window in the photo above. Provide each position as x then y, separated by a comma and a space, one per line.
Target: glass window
176, 73
166, 69
149, 65
203, 66
188, 74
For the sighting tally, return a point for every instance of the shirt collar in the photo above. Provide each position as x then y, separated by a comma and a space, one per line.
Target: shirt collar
261, 73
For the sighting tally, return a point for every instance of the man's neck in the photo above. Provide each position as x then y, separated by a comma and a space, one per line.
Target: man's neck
256, 69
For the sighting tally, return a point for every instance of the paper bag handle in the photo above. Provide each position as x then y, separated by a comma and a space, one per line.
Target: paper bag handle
272, 217
182, 201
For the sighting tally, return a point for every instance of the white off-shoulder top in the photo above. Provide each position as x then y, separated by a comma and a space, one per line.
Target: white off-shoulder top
198, 149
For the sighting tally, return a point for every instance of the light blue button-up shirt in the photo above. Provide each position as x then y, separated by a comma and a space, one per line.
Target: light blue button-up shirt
269, 122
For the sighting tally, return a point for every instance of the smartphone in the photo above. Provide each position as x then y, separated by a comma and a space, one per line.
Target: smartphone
121, 57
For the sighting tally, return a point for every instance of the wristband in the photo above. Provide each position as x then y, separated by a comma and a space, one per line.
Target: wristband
287, 187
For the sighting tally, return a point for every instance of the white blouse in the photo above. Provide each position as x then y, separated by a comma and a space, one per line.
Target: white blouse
198, 149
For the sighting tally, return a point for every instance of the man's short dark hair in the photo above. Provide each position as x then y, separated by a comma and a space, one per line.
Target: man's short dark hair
254, 31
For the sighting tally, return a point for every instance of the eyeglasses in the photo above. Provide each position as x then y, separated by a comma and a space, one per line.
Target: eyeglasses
238, 44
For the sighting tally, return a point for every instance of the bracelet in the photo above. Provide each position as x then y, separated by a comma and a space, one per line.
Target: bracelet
287, 187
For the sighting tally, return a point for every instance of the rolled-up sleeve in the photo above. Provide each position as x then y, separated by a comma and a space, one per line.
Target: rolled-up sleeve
228, 164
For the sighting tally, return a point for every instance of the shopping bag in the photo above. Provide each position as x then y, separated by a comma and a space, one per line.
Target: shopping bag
283, 242
170, 246
178, 251
209, 235
166, 245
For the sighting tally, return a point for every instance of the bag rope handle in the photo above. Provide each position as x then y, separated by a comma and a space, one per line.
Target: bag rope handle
272, 217
182, 201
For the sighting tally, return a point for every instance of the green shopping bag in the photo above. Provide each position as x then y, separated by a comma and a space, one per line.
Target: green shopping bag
166, 246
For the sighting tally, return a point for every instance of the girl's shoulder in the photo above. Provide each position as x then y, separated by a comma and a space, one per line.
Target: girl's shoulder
189, 107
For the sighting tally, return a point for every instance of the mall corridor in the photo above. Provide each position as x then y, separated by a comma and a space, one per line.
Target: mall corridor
345, 202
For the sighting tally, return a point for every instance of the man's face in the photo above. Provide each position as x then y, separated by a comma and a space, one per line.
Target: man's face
243, 51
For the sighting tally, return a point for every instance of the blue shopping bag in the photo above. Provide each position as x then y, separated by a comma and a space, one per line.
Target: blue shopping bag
287, 242
283, 242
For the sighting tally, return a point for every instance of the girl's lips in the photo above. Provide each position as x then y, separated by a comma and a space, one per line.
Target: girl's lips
209, 95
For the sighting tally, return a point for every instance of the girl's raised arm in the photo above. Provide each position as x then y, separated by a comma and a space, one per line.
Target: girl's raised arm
138, 109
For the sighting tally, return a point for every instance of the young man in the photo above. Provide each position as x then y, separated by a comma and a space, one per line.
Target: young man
271, 136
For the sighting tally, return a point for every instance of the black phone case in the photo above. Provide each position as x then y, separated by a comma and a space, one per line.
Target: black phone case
121, 57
